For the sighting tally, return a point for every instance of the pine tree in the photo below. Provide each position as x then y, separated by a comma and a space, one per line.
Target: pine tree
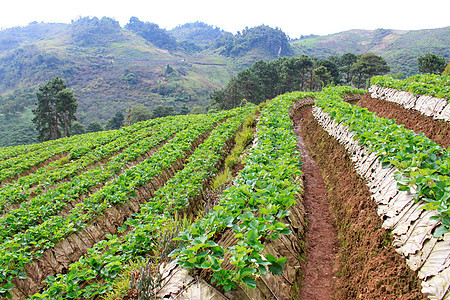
55, 110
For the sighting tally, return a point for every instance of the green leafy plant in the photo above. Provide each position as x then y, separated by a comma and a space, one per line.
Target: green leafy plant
253, 208
144, 237
422, 163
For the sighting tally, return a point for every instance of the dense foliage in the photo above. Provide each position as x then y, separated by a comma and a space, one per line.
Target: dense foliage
264, 80
272, 42
17, 129
152, 33
426, 84
253, 208
88, 31
431, 64
17, 101
199, 33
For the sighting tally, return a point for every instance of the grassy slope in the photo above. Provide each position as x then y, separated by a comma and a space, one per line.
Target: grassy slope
96, 74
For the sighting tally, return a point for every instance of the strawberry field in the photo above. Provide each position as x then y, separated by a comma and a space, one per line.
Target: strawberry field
221, 195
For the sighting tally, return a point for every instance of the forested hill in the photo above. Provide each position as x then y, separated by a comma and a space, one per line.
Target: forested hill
111, 68
400, 48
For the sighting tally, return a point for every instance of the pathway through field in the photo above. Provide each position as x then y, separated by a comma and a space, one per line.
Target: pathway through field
322, 243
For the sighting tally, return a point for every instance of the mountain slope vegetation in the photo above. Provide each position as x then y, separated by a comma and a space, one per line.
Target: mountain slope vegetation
111, 68
400, 48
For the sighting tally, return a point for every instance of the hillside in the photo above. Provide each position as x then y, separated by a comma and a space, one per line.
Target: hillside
400, 48
110, 68
199, 33
110, 71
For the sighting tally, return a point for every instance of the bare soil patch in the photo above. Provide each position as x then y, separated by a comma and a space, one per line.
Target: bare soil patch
436, 130
321, 239
367, 265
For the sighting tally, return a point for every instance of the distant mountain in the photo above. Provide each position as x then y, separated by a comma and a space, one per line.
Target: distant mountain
199, 33
400, 48
110, 68
12, 38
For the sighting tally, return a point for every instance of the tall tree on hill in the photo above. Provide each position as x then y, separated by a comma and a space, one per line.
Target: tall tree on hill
55, 110
367, 66
331, 68
66, 106
431, 63
115, 122
345, 64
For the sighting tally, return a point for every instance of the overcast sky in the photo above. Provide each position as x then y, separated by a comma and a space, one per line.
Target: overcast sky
294, 17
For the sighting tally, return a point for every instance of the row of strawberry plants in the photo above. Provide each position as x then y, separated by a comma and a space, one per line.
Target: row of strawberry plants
18, 191
425, 84
76, 145
51, 202
253, 208
12, 151
108, 258
20, 249
423, 164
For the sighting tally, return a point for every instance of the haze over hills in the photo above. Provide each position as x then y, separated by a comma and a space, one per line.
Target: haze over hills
110, 68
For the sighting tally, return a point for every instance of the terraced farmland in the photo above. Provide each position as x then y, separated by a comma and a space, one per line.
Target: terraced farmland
227, 205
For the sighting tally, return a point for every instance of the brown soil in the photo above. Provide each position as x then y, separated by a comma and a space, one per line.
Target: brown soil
367, 265
321, 239
436, 130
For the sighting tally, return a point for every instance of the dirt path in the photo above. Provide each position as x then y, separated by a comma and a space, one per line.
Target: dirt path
367, 265
321, 240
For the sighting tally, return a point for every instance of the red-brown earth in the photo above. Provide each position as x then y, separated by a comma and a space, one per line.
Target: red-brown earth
366, 265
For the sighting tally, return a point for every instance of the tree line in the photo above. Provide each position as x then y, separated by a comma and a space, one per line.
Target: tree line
265, 80
54, 115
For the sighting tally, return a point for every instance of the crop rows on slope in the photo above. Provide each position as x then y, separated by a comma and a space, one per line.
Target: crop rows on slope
252, 208
424, 165
43, 178
106, 259
12, 151
437, 108
66, 195
22, 248
425, 84
411, 226
76, 146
